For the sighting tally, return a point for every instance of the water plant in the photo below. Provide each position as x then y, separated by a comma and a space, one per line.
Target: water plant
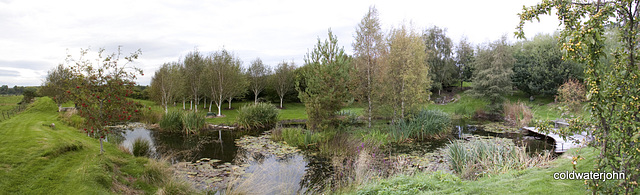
171, 121
141, 147
192, 122
260, 115
424, 124
479, 156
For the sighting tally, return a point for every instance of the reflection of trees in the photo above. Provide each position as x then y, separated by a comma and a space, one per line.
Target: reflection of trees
181, 147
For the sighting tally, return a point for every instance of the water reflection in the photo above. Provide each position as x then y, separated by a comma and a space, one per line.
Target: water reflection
298, 172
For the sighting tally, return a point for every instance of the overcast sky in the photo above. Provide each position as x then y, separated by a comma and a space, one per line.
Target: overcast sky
36, 34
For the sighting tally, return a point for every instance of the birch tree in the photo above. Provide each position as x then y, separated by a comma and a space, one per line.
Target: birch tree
257, 74
284, 79
369, 48
219, 71
405, 72
193, 75
165, 84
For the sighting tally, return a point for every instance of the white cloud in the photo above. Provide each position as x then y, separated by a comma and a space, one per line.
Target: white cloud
41, 31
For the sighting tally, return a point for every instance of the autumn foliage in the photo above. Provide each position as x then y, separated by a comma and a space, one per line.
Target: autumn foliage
101, 90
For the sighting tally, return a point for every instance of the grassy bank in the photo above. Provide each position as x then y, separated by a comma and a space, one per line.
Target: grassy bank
38, 159
543, 107
528, 181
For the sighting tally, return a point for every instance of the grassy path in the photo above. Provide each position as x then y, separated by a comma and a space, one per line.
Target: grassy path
36, 159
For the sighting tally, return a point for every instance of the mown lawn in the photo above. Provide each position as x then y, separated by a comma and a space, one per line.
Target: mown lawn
37, 159
291, 111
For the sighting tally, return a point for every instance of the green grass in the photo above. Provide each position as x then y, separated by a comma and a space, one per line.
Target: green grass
35, 159
528, 181
542, 107
291, 111
9, 102
464, 107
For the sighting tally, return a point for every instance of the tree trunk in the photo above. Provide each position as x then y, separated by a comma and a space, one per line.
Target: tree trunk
230, 103
166, 109
59, 107
370, 108
190, 104
205, 103
184, 107
219, 104
280, 102
211, 102
255, 98
101, 148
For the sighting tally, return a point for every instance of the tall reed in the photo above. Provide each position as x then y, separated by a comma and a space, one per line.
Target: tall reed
192, 122
424, 124
261, 115
479, 156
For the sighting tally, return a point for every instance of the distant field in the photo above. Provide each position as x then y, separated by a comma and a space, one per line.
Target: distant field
9, 102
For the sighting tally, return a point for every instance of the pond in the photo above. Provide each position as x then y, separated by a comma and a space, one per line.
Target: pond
251, 162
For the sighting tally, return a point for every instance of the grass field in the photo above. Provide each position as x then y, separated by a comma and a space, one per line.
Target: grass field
9, 102
36, 159
291, 111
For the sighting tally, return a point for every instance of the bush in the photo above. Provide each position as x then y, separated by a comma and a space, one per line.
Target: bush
425, 124
141, 147
517, 114
254, 116
171, 121
192, 122
571, 94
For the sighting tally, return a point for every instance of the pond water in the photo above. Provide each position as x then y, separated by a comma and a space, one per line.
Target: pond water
291, 172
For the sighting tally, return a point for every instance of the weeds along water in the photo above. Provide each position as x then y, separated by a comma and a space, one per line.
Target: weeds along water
356, 162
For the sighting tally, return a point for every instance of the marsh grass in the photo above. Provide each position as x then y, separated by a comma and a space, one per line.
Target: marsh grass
424, 124
141, 147
254, 116
517, 114
479, 157
192, 122
171, 121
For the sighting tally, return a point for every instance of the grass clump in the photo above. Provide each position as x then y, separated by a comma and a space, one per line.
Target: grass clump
425, 124
517, 114
478, 157
254, 116
141, 147
189, 122
171, 121
299, 137
192, 122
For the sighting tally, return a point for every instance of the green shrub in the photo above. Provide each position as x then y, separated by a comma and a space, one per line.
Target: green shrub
424, 124
171, 121
192, 122
141, 147
261, 115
